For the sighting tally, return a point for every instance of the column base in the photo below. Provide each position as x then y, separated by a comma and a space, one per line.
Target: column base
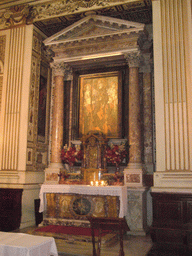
173, 180
52, 173
133, 175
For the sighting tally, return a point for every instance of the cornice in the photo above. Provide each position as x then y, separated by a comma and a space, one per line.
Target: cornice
91, 49
61, 8
4, 4
27, 12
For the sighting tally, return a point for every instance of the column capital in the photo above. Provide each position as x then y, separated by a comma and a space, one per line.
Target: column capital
61, 69
133, 59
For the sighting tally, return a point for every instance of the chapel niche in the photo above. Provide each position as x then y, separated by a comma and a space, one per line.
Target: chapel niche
100, 45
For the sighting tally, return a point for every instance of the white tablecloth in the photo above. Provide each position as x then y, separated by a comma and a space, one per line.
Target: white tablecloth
19, 244
120, 191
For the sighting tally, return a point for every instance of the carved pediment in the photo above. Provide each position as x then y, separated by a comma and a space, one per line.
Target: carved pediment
95, 36
92, 27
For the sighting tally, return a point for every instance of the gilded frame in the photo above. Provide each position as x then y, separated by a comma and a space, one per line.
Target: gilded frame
100, 103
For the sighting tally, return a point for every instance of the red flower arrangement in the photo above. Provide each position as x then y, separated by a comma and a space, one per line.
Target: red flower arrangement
70, 155
115, 154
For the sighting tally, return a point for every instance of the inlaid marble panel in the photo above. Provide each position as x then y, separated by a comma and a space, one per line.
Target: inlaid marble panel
75, 206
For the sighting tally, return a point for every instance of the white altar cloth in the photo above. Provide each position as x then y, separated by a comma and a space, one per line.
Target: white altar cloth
120, 191
19, 244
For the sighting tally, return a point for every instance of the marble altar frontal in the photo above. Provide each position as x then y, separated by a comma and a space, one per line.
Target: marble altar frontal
73, 203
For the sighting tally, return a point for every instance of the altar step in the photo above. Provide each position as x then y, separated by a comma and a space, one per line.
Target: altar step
76, 235
133, 246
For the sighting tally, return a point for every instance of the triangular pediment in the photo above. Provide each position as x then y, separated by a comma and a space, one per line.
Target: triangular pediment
94, 26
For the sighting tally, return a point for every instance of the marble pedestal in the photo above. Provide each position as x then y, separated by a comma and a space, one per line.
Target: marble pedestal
137, 210
52, 173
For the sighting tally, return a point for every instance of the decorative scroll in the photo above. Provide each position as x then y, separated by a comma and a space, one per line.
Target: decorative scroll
16, 15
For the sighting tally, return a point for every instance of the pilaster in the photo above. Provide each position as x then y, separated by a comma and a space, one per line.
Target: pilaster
172, 60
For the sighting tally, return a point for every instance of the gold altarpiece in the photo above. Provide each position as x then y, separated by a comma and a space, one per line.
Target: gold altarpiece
100, 103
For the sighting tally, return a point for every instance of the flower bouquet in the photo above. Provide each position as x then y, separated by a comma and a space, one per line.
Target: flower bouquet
115, 154
71, 155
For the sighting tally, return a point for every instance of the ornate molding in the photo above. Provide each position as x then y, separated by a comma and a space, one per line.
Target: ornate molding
16, 15
29, 13
92, 47
47, 53
61, 8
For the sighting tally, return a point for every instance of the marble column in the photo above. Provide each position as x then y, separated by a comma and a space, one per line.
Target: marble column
51, 173
135, 143
133, 172
147, 114
57, 115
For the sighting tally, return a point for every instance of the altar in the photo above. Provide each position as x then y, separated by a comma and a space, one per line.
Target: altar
64, 203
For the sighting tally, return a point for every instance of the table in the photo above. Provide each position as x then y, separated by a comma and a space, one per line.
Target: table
120, 191
114, 224
19, 244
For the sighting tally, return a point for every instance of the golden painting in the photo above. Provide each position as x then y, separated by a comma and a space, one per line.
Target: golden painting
100, 104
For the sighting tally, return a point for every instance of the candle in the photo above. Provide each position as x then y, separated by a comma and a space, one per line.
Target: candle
96, 183
91, 183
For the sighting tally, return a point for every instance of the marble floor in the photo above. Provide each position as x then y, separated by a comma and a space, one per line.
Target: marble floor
133, 246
